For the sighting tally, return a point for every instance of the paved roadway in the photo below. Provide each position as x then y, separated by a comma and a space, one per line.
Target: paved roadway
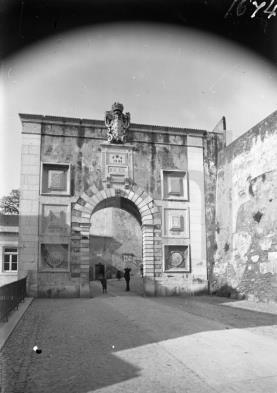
122, 342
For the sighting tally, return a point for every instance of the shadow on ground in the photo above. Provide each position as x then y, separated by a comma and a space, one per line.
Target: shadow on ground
80, 338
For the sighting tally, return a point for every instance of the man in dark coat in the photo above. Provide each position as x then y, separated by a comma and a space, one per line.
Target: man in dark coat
127, 278
103, 281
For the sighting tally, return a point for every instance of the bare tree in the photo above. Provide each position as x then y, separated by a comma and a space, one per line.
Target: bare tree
10, 204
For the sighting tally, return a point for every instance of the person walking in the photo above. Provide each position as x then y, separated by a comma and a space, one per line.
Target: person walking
127, 278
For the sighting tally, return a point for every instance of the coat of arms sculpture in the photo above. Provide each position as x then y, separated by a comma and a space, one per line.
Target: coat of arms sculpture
117, 123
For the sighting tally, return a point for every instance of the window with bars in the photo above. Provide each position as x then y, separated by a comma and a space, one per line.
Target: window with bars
10, 259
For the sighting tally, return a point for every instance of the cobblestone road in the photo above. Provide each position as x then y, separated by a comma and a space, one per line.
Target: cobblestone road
122, 342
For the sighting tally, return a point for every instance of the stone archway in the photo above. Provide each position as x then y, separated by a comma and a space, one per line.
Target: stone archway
150, 219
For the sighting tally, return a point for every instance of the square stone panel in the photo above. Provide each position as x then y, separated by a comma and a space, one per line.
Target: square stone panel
176, 258
54, 220
174, 185
55, 179
54, 257
176, 223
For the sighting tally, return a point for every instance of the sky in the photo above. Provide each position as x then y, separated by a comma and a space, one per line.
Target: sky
163, 75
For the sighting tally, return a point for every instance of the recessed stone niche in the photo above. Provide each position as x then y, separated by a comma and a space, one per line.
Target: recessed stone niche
176, 258
55, 179
174, 185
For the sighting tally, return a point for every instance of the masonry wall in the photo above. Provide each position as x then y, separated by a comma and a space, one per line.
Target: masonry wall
246, 217
83, 151
214, 145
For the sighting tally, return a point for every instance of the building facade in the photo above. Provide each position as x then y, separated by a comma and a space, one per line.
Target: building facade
163, 177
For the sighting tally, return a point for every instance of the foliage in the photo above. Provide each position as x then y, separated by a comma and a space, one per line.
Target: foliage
10, 204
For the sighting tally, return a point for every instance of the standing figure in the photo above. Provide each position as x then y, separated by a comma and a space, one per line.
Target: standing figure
141, 271
103, 281
127, 278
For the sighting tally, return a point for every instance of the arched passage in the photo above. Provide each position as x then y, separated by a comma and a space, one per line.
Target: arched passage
115, 242
136, 202
121, 203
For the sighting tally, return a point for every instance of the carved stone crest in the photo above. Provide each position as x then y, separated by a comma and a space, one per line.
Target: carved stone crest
117, 123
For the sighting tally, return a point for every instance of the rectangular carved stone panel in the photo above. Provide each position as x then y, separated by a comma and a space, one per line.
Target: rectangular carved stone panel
176, 258
55, 179
54, 220
117, 163
176, 223
117, 170
54, 257
117, 158
174, 185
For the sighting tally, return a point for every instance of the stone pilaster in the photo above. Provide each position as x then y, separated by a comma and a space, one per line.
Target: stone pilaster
29, 206
148, 259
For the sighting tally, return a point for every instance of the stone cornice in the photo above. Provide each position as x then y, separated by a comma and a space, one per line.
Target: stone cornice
145, 128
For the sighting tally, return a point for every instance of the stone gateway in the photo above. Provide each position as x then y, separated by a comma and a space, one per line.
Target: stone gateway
166, 178
72, 168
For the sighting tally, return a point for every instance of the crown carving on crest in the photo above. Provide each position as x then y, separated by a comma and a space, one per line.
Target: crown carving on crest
117, 107
117, 123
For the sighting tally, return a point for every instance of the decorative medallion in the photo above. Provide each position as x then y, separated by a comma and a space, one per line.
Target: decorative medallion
176, 258
117, 123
